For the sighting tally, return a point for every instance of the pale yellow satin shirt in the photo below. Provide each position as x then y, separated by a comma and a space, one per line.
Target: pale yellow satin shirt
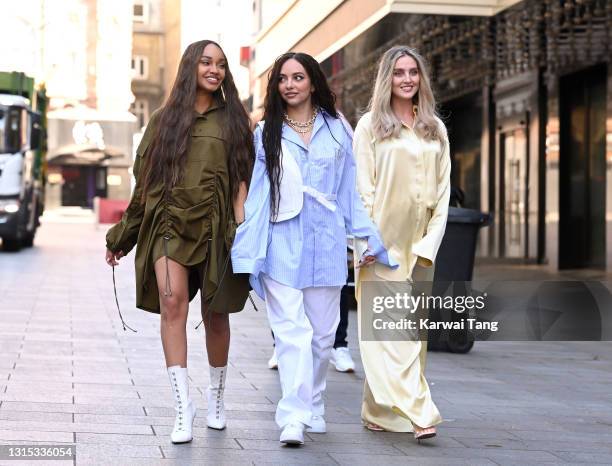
404, 183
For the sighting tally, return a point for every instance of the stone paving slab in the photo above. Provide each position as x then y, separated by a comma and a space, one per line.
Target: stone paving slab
24, 407
126, 452
231, 457
34, 435
69, 373
492, 453
74, 427
369, 460
52, 397
6, 415
112, 461
594, 457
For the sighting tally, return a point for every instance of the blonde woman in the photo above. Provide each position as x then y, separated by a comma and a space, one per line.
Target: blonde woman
403, 177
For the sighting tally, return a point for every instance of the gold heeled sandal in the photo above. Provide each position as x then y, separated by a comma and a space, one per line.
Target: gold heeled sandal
428, 432
373, 427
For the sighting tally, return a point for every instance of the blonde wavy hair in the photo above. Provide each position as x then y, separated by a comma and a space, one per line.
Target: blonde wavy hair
384, 122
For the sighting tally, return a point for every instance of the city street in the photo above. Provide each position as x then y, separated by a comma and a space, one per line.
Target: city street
70, 374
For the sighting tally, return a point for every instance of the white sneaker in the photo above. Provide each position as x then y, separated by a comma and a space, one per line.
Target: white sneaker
293, 434
273, 361
342, 361
317, 425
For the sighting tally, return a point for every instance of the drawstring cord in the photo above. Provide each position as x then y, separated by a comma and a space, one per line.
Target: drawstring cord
226, 263
125, 326
253, 302
168, 290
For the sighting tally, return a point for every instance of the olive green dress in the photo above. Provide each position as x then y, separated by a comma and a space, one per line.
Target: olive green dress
192, 224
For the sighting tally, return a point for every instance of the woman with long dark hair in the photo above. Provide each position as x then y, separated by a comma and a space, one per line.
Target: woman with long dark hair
403, 177
301, 204
192, 169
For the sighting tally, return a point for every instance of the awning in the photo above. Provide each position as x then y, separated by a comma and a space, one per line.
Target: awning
82, 154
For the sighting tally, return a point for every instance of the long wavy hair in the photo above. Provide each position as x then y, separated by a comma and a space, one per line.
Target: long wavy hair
384, 122
165, 164
275, 108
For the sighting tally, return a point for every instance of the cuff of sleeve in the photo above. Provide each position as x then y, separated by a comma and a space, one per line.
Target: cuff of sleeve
125, 250
114, 238
382, 255
242, 266
111, 243
425, 257
116, 248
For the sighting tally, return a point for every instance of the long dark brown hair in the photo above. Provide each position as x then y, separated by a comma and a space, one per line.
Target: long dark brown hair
165, 163
275, 108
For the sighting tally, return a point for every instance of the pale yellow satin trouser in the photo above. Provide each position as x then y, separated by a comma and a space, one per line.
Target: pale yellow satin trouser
395, 394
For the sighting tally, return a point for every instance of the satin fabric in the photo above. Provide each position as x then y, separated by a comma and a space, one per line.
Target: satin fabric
404, 183
395, 393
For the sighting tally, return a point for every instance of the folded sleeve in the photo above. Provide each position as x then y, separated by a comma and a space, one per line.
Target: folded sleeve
427, 247
123, 236
250, 244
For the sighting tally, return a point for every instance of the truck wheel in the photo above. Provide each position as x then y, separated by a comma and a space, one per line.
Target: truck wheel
11, 244
28, 240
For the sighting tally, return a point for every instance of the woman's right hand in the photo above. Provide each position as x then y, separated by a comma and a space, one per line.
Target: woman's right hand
112, 258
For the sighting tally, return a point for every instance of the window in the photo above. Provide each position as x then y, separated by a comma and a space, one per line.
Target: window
101, 178
13, 121
140, 108
140, 67
3, 131
141, 11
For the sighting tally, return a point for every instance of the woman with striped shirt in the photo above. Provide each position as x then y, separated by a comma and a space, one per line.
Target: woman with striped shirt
301, 204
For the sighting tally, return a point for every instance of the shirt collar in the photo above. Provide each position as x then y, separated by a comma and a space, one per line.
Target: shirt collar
217, 104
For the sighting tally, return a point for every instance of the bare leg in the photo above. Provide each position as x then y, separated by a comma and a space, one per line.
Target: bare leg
217, 337
174, 309
217, 346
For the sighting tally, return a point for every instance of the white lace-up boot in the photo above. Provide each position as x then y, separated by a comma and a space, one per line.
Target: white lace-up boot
184, 407
216, 408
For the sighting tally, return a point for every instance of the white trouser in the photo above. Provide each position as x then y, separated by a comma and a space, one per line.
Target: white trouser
304, 323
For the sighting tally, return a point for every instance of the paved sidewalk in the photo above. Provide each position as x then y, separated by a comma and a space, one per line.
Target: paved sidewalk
70, 374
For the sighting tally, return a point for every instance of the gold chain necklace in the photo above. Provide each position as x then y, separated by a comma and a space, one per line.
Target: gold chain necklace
299, 126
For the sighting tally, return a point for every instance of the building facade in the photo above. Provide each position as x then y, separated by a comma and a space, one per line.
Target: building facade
525, 89
162, 31
80, 49
155, 54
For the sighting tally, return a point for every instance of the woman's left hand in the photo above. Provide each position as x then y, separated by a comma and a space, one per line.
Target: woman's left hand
366, 259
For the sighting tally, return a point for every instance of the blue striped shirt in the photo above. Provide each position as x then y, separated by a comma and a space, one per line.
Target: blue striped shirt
309, 249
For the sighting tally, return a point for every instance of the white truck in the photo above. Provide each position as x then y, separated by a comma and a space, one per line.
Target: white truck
22, 157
